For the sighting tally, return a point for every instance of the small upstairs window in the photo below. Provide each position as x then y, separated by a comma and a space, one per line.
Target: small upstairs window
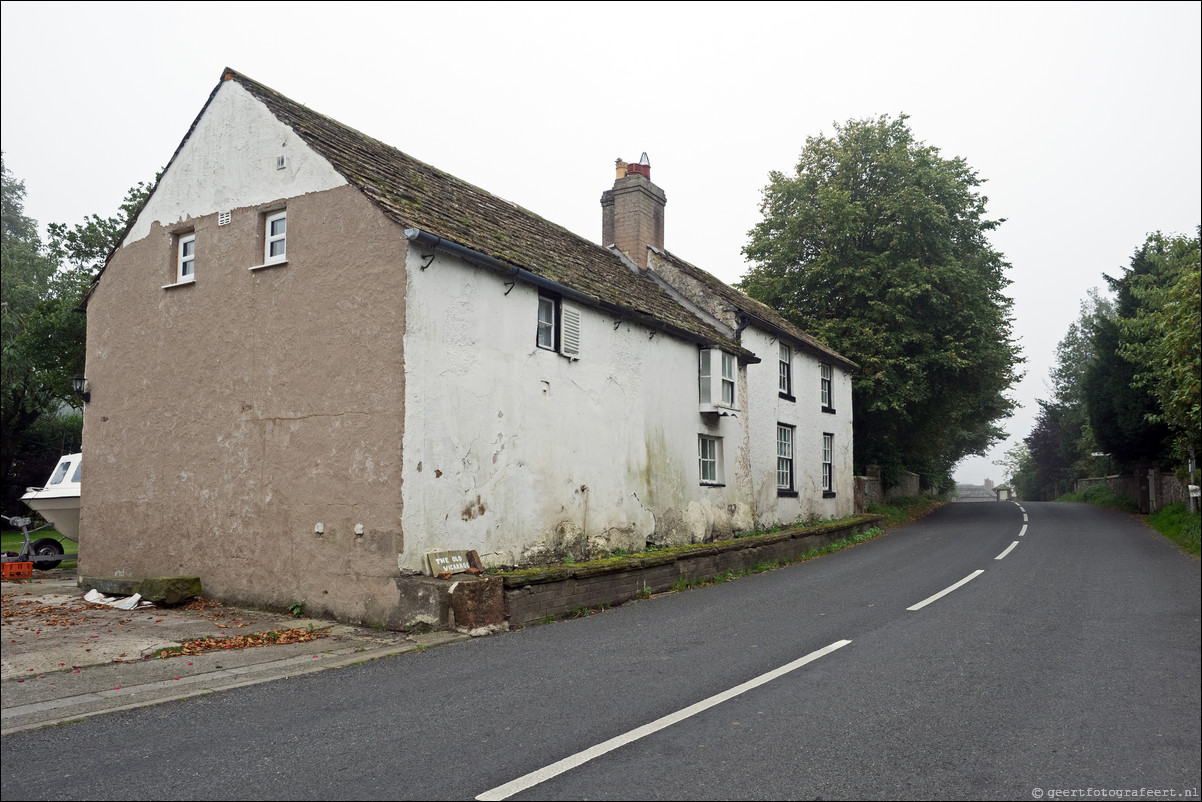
547, 318
558, 327
826, 389
185, 262
716, 373
728, 379
275, 241
785, 373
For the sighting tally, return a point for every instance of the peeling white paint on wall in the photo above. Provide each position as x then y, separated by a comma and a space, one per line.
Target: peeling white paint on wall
523, 455
516, 451
240, 172
767, 409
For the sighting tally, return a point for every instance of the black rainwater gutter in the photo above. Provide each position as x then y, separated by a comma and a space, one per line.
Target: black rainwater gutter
420, 237
497, 266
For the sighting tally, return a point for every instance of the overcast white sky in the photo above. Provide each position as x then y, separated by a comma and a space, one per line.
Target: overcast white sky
1083, 117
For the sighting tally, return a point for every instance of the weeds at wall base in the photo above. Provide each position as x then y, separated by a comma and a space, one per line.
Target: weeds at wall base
683, 583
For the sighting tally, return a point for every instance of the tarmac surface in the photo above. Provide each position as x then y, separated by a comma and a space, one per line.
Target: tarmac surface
64, 659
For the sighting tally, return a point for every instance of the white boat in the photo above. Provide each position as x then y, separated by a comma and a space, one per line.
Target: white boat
58, 501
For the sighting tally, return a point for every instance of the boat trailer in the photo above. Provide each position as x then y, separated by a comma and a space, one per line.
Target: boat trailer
45, 552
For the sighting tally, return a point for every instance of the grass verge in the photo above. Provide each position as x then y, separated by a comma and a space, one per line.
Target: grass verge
1180, 526
1102, 496
905, 509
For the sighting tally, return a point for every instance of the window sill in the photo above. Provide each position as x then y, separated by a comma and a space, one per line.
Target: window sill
786, 397
280, 263
782, 493
185, 283
829, 410
828, 494
712, 484
719, 409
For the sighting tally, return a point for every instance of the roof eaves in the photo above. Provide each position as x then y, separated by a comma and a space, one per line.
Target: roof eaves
765, 316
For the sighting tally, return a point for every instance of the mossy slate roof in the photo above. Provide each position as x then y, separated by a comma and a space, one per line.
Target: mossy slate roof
748, 305
416, 195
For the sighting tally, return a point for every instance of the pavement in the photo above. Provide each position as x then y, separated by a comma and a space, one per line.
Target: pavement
64, 659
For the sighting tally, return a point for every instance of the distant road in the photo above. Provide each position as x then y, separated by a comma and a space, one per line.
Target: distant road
990, 651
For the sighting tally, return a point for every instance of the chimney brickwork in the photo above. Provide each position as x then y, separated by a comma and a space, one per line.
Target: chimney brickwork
632, 213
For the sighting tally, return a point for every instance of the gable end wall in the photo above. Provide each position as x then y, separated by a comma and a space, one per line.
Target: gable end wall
232, 416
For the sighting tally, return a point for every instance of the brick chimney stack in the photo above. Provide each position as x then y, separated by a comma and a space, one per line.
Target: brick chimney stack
632, 213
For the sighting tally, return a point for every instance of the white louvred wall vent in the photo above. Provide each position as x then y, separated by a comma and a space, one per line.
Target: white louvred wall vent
223, 218
569, 341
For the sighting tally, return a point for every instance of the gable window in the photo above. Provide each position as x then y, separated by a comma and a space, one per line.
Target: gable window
785, 380
826, 389
185, 261
828, 465
547, 318
784, 459
275, 240
709, 459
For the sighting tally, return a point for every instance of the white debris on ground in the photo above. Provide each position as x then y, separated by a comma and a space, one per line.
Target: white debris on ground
129, 603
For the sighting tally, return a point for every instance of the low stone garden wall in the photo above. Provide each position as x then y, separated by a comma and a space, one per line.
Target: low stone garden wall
536, 594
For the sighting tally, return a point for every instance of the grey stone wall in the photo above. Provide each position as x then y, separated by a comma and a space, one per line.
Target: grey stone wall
536, 595
1166, 488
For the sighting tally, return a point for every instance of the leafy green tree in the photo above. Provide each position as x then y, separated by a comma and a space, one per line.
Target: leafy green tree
44, 328
1162, 341
27, 390
878, 245
1020, 472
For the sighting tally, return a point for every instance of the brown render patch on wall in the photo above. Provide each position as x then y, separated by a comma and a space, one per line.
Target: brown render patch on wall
266, 402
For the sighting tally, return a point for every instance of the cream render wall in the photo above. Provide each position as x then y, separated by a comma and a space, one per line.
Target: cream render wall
524, 455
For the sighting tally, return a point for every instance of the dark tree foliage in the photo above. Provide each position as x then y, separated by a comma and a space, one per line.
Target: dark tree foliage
1120, 410
1162, 339
1052, 445
44, 331
878, 245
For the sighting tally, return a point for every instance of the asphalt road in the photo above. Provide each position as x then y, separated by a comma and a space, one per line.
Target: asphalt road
1068, 662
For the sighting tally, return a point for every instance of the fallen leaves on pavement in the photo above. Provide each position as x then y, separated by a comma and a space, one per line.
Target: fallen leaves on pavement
202, 645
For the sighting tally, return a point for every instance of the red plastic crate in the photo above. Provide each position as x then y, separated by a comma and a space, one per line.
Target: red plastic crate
17, 570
